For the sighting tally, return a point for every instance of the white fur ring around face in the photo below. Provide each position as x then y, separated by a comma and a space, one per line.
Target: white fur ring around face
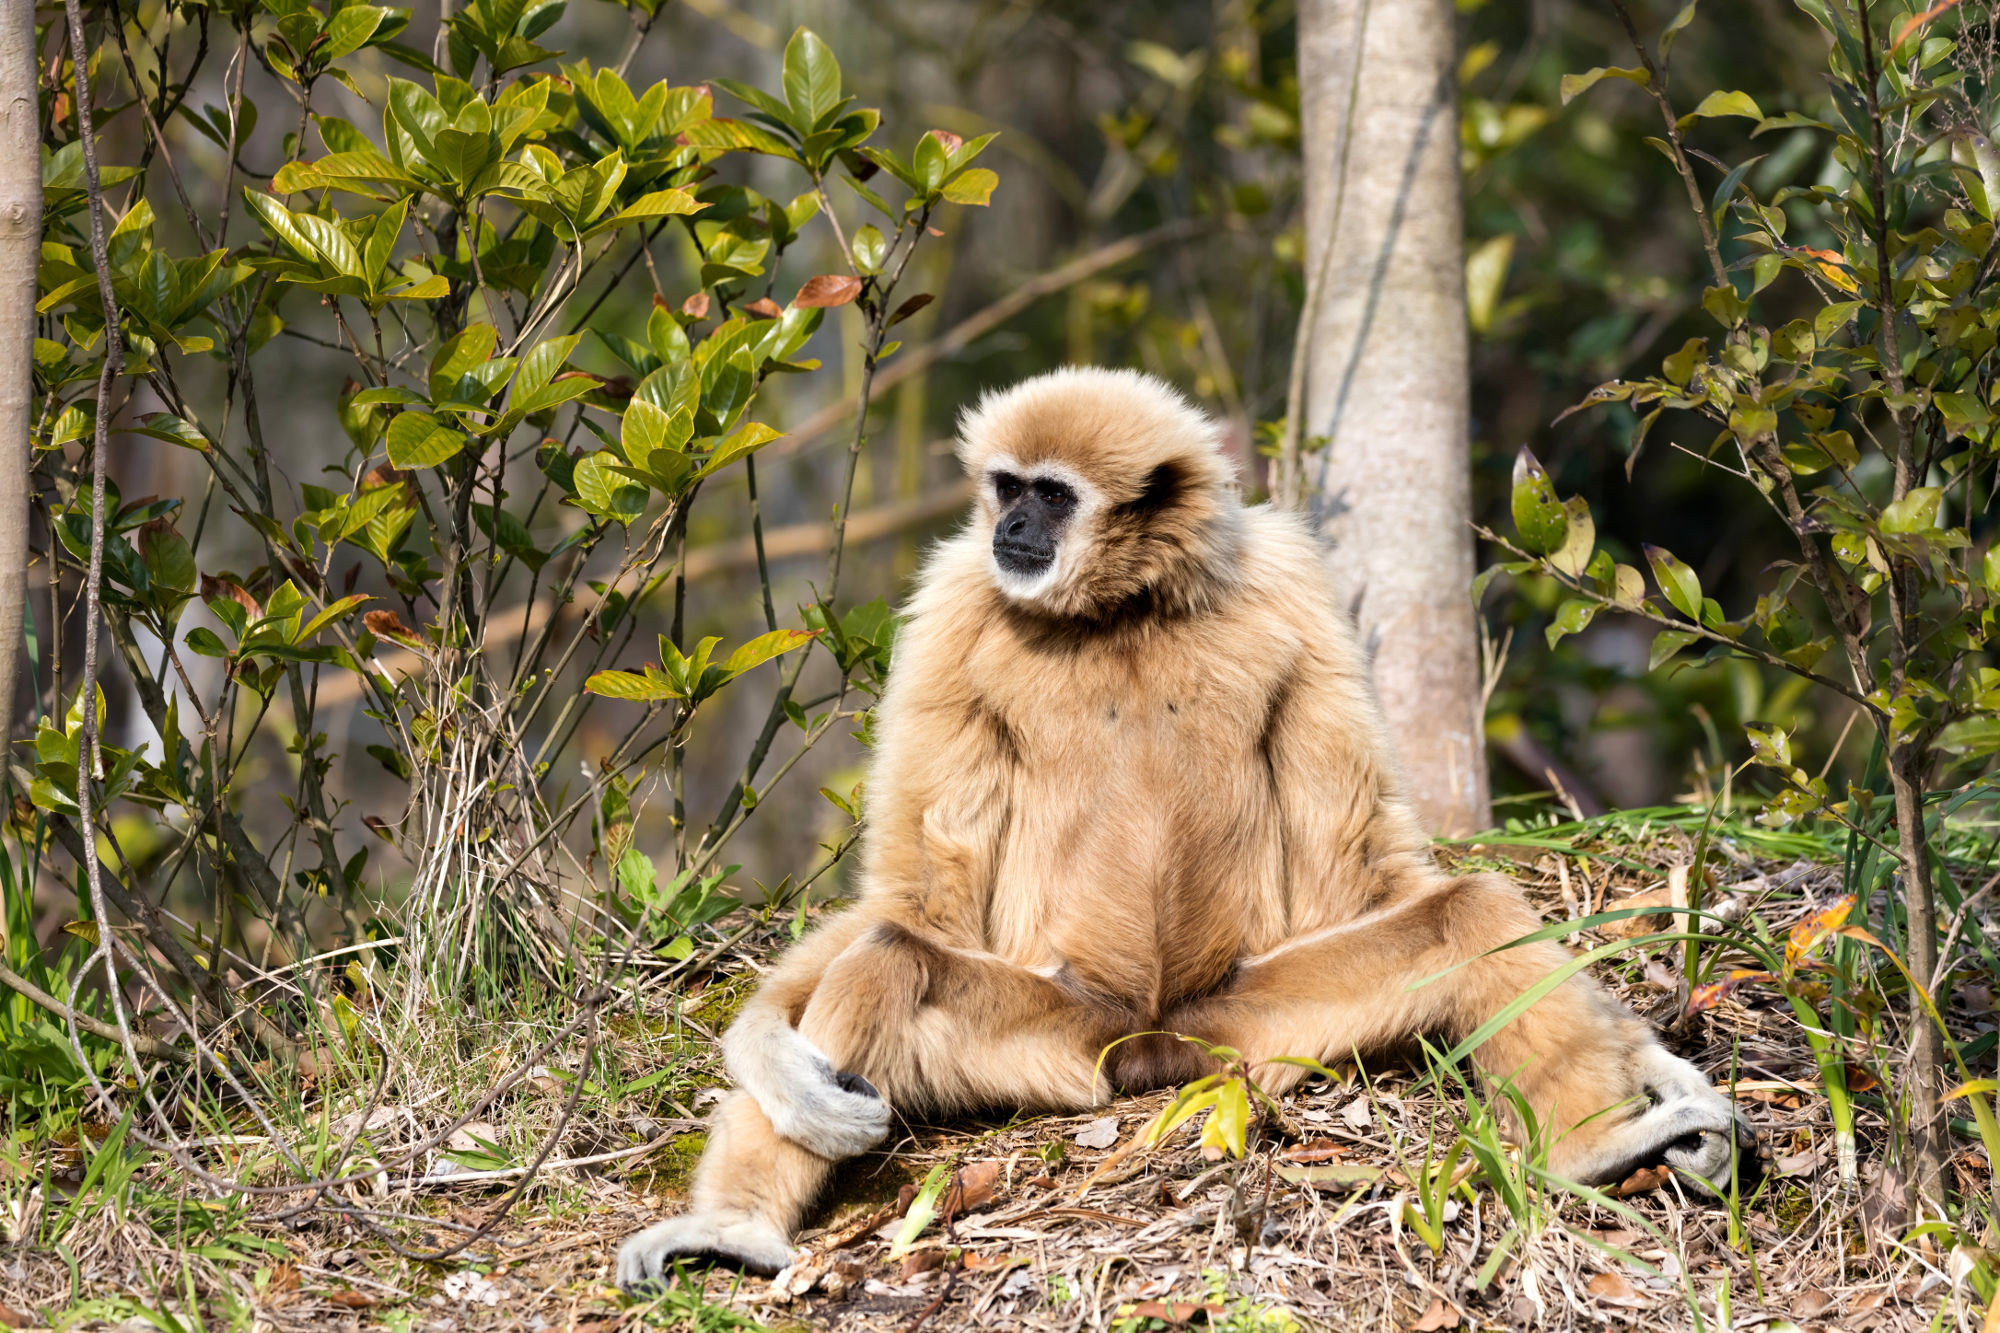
745, 1241
833, 1115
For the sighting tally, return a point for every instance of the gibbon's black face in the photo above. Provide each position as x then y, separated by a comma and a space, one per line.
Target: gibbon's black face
1032, 516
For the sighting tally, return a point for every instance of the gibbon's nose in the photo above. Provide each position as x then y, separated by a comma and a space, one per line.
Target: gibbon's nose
1016, 525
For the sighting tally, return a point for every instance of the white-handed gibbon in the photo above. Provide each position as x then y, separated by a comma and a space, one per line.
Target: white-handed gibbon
1130, 778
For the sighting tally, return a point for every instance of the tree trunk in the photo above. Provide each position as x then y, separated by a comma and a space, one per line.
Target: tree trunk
1925, 1071
1387, 382
20, 248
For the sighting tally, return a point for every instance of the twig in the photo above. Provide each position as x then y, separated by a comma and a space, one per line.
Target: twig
984, 321
159, 1050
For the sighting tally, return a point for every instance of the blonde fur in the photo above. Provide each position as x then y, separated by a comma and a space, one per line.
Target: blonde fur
1147, 788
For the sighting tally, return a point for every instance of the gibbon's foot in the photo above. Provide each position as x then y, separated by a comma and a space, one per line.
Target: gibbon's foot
746, 1242
1688, 1125
835, 1114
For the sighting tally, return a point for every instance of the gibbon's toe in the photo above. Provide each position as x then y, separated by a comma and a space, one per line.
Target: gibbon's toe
1704, 1157
1693, 1128
745, 1242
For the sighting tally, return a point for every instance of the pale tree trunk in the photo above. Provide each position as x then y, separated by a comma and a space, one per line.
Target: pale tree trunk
20, 245
1387, 381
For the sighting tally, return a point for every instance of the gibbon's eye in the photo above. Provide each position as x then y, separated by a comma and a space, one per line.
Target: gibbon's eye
1054, 494
1008, 487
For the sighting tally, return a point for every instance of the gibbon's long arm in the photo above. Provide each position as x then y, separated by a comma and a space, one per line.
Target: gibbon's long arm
937, 800
1352, 844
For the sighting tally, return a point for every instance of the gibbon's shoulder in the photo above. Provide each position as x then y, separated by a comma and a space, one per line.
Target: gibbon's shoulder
1283, 564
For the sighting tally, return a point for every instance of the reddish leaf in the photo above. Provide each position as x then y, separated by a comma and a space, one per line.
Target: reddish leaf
388, 625
353, 1300
696, 305
950, 142
909, 307
1614, 1289
764, 307
236, 592
1645, 1179
1710, 995
974, 1186
1808, 933
827, 290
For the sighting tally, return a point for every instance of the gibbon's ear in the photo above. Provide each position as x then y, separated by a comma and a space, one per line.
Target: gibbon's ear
1163, 488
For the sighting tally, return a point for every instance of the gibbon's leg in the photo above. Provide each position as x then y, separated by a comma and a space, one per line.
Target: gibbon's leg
892, 1021
1610, 1097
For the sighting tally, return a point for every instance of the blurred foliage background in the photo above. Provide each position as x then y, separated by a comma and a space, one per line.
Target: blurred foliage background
1150, 216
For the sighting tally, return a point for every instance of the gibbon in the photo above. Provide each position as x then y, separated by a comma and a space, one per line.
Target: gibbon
1130, 779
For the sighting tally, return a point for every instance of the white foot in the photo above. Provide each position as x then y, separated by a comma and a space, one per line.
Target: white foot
1677, 1119
744, 1241
834, 1115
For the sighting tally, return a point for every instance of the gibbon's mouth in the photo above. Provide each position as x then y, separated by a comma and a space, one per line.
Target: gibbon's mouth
1018, 558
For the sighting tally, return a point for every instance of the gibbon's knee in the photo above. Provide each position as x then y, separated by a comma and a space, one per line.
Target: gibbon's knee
1474, 913
862, 1012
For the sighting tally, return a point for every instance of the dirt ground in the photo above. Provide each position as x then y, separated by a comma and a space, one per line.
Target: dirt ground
1052, 1223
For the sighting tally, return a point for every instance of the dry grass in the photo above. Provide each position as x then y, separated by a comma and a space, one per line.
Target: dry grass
1304, 1231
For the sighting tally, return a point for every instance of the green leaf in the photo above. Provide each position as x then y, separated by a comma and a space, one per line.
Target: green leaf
1571, 618
750, 437
1832, 318
418, 440
1721, 103
643, 688
973, 186
1574, 84
1579, 540
472, 347
1915, 512
658, 204
869, 249
1677, 581
606, 492
1538, 516
1727, 307
1485, 277
1971, 736
763, 648
812, 80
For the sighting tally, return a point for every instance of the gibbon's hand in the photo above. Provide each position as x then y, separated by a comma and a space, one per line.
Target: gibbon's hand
835, 1115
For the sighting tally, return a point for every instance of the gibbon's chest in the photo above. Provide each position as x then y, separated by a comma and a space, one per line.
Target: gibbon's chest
1140, 808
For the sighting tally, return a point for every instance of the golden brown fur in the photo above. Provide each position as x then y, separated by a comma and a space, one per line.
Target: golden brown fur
1147, 789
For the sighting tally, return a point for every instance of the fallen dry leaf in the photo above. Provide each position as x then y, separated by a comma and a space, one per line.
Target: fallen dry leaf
466, 1138
922, 1261
1614, 1289
1330, 1175
352, 1300
1439, 1316
1178, 1313
1098, 1133
1812, 1303
1644, 1179
974, 1186
1645, 924
1319, 1150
